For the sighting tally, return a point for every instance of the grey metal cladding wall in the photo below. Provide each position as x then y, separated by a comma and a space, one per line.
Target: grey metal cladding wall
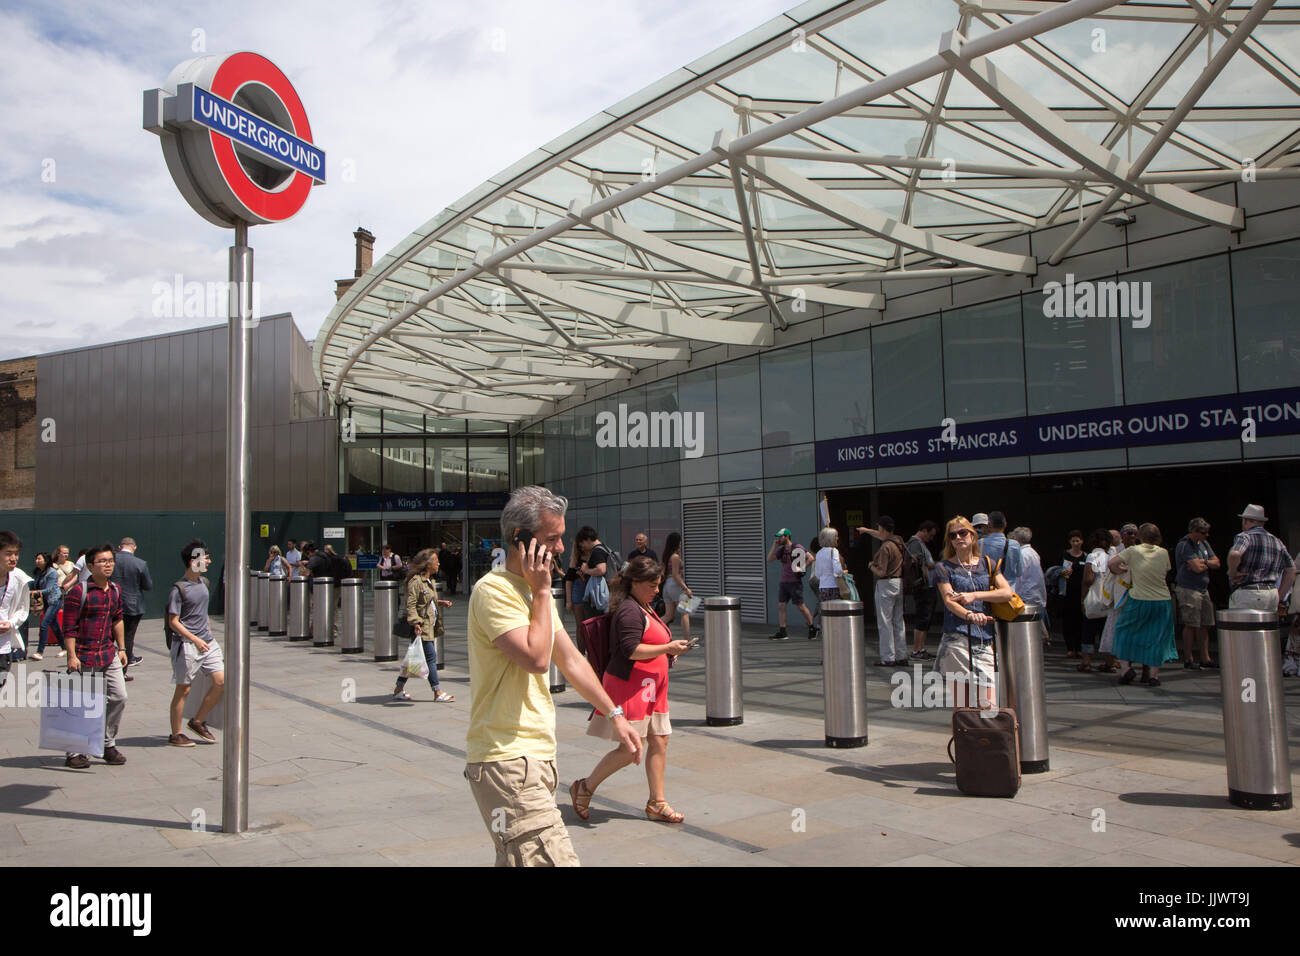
282, 471
142, 425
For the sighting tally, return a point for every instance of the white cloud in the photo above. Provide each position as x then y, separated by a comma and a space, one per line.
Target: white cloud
426, 101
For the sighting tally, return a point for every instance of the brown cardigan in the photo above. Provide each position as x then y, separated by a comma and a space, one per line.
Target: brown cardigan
627, 627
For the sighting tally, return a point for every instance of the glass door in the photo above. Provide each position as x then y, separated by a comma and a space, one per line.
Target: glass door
449, 538
484, 538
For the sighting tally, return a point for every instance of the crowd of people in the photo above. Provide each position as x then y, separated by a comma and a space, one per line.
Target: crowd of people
1116, 597
90, 609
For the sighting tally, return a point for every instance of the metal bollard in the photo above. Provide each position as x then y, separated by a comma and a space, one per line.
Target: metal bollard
277, 605
438, 643
263, 600
558, 686
252, 598
350, 639
1254, 714
387, 594
299, 609
722, 677
1020, 672
322, 612
844, 673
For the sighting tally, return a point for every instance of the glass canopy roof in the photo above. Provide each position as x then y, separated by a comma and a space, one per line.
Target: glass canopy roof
816, 159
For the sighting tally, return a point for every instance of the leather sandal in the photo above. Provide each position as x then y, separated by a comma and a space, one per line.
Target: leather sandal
660, 810
581, 798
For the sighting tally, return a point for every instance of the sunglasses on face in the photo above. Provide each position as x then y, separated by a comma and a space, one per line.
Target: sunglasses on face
960, 533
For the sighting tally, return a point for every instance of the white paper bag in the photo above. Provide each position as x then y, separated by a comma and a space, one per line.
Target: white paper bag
72, 713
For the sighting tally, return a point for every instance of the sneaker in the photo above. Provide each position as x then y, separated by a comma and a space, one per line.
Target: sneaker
136, 661
113, 757
37, 657
919, 655
780, 635
812, 632
200, 727
902, 663
77, 761
1192, 666
63, 653
180, 740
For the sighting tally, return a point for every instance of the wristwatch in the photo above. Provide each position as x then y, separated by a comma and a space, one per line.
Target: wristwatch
616, 712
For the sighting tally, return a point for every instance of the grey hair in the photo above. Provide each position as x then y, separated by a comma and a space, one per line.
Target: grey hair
1199, 524
827, 537
1022, 535
526, 507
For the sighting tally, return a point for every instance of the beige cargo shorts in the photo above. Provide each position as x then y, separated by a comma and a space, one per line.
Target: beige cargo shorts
517, 800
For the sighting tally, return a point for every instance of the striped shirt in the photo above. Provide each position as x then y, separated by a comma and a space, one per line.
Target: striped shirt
1263, 559
92, 628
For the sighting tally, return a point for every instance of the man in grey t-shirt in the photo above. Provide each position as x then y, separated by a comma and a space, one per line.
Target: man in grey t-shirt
1194, 559
193, 648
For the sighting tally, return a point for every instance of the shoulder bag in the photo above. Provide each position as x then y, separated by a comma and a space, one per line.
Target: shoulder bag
1003, 610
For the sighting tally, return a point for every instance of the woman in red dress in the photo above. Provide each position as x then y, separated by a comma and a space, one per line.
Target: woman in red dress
636, 679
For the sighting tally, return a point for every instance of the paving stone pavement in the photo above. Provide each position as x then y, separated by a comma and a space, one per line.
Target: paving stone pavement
341, 775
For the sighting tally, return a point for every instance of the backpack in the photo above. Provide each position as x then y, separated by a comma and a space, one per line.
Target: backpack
595, 638
597, 594
340, 568
168, 633
614, 564
81, 608
1098, 602
913, 576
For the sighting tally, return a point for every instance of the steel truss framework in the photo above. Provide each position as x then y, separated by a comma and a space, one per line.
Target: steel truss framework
797, 166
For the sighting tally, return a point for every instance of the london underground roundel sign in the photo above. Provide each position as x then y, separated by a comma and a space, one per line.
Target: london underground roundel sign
236, 138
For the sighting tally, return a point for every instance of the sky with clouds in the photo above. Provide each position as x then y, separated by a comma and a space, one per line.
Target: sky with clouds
425, 101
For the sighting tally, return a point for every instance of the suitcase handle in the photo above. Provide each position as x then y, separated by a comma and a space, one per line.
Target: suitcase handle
970, 657
952, 740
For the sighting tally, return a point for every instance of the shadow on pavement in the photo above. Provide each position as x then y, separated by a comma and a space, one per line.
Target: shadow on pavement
811, 743
1205, 800
15, 798
898, 774
159, 741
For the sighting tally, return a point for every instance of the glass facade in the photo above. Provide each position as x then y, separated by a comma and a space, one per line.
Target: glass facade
428, 455
756, 425
1218, 325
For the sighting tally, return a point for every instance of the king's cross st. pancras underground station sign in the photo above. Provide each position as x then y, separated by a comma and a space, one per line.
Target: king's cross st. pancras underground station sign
236, 139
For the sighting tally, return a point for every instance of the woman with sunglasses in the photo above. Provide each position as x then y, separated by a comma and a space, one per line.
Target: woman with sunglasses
968, 584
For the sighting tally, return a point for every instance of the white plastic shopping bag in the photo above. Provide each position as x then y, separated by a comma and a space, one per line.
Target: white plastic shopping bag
691, 605
414, 665
72, 713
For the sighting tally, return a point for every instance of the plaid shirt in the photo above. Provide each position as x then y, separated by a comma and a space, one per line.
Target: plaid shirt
1263, 559
92, 628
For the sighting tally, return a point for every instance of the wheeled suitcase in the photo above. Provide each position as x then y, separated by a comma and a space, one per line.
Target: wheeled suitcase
987, 744
987, 748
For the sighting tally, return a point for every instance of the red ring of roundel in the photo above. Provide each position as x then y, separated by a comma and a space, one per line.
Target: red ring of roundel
236, 70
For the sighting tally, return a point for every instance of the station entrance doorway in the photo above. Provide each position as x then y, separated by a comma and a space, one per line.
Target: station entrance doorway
464, 545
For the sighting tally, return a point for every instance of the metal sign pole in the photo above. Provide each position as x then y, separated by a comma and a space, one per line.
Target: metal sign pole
234, 780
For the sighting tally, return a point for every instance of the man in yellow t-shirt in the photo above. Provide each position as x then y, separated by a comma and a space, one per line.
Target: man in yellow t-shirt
514, 632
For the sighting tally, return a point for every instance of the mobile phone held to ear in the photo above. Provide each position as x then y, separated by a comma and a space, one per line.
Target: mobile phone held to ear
523, 537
